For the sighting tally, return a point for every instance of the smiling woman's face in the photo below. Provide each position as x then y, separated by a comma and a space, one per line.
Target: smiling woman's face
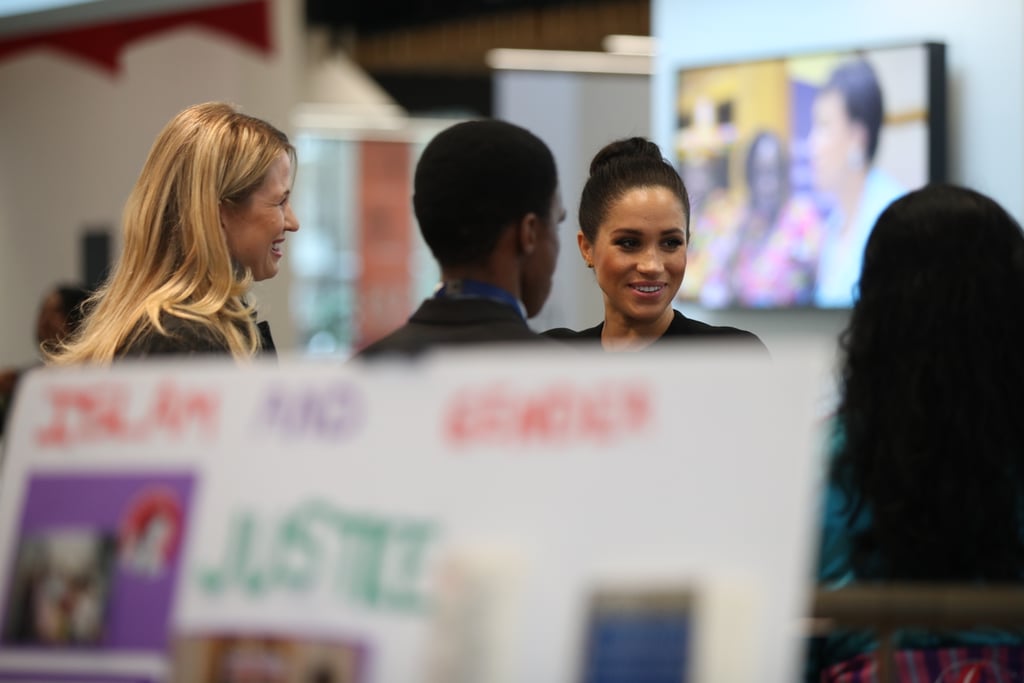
255, 231
639, 254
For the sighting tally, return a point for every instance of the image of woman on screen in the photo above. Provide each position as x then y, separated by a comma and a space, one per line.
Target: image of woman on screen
926, 480
634, 229
770, 257
847, 120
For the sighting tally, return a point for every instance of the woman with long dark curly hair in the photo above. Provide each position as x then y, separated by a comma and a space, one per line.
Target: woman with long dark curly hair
927, 476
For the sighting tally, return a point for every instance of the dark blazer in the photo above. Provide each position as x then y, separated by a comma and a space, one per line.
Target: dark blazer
189, 338
681, 328
454, 322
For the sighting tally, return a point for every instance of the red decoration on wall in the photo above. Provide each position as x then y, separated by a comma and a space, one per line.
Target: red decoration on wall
102, 44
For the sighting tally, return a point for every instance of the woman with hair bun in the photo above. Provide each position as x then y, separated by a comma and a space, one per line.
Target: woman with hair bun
634, 229
207, 217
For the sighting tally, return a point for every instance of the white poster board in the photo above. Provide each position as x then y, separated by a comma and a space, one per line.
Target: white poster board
451, 520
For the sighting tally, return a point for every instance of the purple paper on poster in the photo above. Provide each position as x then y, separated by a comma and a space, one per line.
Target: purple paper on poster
96, 561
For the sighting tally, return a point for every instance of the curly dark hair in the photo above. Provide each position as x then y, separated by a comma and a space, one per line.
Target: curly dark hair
932, 406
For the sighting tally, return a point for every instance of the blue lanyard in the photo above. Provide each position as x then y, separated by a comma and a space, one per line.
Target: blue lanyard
474, 289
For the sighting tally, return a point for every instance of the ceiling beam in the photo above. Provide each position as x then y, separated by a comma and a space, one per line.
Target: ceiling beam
461, 45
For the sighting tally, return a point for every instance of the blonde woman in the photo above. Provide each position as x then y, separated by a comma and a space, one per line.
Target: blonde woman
208, 215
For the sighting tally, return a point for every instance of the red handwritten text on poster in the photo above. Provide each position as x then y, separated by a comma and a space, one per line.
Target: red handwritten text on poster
122, 413
557, 413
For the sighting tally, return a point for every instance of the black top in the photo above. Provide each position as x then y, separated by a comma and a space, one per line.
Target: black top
189, 338
681, 328
454, 322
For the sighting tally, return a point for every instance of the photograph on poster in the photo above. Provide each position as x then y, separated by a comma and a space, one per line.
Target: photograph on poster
245, 658
790, 161
60, 587
638, 634
150, 533
96, 561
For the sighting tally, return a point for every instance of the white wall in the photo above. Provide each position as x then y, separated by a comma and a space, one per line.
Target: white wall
73, 139
985, 66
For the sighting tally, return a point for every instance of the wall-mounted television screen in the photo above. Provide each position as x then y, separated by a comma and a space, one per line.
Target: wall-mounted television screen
789, 161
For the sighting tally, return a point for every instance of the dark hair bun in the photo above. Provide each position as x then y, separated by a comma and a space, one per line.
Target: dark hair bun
619, 167
628, 148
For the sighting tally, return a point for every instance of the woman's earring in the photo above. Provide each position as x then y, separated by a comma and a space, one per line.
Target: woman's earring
589, 264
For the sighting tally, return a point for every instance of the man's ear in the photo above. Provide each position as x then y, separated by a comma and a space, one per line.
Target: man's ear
527, 233
586, 249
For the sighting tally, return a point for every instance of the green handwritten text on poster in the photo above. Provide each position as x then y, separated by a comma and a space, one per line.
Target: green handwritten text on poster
368, 559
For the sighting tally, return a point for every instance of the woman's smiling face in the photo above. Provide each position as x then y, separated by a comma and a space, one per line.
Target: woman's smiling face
639, 254
255, 231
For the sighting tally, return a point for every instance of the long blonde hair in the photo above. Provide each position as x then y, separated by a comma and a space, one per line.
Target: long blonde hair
175, 258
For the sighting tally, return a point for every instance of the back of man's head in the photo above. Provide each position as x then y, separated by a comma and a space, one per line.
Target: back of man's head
475, 179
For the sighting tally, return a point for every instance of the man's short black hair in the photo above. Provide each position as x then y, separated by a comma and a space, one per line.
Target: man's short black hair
475, 179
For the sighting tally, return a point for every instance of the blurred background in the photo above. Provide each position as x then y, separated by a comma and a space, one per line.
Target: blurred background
360, 86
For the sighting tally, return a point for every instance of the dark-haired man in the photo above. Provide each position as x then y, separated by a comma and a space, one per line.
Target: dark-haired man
487, 201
